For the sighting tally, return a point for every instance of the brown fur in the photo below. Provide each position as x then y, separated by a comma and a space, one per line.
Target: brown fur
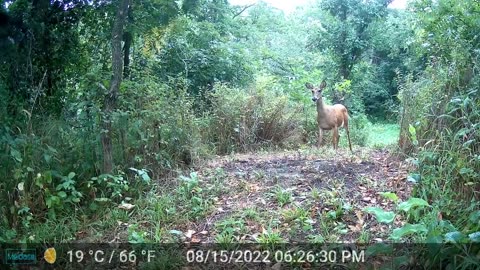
329, 116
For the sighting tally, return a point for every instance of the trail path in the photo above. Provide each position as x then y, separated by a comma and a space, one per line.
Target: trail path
300, 196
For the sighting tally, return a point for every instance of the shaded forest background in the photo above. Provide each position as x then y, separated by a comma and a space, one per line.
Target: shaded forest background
99, 99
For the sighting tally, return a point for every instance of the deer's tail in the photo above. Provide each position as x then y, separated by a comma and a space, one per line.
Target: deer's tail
345, 124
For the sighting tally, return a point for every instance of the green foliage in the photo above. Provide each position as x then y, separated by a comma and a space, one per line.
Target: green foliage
193, 196
439, 112
201, 52
37, 49
390, 54
431, 228
412, 203
352, 36
389, 195
381, 215
407, 229
411, 208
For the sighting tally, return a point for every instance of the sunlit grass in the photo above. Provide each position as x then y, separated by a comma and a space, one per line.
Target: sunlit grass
380, 134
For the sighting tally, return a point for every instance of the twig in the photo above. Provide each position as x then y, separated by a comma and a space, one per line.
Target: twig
243, 9
102, 86
39, 88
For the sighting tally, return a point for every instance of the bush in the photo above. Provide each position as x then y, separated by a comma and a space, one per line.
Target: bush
156, 125
51, 166
260, 116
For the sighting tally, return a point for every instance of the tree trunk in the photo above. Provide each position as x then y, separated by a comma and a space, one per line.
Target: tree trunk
110, 101
126, 57
127, 39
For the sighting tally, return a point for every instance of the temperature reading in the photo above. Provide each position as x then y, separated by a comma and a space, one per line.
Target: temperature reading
78, 255
150, 254
127, 256
110, 256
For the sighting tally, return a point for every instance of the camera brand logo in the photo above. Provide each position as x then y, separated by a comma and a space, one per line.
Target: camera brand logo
20, 256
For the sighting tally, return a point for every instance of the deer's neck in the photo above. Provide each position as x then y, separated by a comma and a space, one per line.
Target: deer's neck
320, 107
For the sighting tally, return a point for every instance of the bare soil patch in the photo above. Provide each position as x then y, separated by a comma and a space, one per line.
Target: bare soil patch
333, 191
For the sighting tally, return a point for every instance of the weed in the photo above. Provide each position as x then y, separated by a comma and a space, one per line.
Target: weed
251, 213
282, 196
316, 239
193, 196
225, 239
364, 237
315, 193
270, 238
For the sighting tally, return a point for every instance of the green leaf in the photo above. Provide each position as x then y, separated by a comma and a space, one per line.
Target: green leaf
474, 237
412, 130
62, 194
145, 176
466, 171
16, 155
454, 237
411, 203
414, 178
51, 149
48, 177
52, 200
389, 195
401, 261
176, 232
71, 175
408, 229
381, 215
437, 239
332, 214
47, 158
474, 217
142, 173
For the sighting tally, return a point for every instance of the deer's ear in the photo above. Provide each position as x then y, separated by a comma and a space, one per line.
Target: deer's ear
323, 84
308, 85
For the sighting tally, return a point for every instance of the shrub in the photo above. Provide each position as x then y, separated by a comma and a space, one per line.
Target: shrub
261, 115
52, 165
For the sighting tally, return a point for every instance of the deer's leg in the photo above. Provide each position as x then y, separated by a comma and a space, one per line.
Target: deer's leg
320, 136
335, 138
338, 137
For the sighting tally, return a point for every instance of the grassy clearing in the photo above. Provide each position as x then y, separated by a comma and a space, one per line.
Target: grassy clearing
369, 135
194, 197
309, 195
382, 134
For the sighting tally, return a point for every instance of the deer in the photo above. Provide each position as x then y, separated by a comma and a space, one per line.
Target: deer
329, 116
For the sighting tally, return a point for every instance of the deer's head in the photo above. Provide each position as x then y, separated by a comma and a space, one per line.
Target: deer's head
316, 91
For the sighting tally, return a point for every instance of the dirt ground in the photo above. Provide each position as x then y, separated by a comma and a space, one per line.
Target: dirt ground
330, 189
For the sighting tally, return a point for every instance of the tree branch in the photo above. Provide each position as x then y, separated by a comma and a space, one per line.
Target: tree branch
101, 86
243, 9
